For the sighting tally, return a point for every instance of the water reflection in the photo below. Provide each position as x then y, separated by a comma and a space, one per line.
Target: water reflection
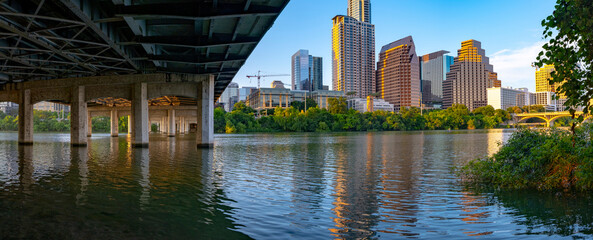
271, 186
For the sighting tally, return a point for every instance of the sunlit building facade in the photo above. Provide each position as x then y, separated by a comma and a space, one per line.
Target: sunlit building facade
353, 50
471, 74
433, 71
398, 74
307, 71
542, 77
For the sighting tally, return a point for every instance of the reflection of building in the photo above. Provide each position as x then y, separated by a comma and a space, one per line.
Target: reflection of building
471, 74
353, 50
307, 71
52, 107
433, 71
398, 74
369, 105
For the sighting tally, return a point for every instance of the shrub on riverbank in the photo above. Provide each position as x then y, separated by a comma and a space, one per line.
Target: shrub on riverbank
541, 159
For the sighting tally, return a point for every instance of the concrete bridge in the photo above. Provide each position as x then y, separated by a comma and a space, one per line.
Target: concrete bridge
548, 117
154, 60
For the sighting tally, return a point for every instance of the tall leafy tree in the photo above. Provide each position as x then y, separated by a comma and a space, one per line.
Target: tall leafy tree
570, 49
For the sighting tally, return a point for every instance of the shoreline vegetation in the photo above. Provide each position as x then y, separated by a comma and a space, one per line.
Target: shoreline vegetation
337, 118
542, 159
47, 121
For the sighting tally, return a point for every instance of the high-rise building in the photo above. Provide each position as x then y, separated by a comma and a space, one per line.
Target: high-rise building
542, 77
503, 98
398, 74
230, 96
360, 10
433, 71
471, 74
307, 71
353, 50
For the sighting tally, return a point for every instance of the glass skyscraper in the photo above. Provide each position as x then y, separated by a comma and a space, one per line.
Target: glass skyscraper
353, 50
307, 71
433, 71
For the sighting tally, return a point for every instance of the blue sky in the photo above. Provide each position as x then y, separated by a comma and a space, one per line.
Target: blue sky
510, 32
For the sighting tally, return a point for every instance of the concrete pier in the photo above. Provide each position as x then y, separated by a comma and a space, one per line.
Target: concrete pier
205, 133
78, 117
114, 123
25, 118
140, 115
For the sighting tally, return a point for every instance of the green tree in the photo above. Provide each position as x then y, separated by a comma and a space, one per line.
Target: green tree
570, 51
337, 105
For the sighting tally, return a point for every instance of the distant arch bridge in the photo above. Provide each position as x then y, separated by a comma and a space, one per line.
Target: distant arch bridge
548, 117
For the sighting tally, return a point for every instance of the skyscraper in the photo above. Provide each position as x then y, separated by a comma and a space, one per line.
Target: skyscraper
471, 74
542, 77
433, 71
353, 50
398, 74
307, 71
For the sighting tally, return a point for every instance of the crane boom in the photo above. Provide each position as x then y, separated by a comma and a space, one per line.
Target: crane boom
259, 76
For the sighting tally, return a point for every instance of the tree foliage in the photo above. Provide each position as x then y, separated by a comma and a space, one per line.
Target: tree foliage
570, 51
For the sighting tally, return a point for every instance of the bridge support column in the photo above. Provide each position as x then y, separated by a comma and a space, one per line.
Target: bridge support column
25, 118
114, 123
181, 125
89, 125
171, 126
130, 125
139, 115
205, 131
78, 118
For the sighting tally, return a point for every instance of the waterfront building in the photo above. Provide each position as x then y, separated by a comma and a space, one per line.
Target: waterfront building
503, 98
321, 97
9, 108
398, 74
542, 77
470, 75
277, 84
369, 104
353, 50
230, 96
51, 106
244, 92
433, 72
270, 98
307, 71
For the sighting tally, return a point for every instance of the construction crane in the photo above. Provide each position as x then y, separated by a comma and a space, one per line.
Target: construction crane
259, 76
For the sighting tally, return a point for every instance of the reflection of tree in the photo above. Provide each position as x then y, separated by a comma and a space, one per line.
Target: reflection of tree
548, 213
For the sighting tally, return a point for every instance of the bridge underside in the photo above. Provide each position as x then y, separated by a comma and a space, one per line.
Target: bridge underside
138, 54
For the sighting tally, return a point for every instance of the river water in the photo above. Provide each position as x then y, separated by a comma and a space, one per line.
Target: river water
386, 185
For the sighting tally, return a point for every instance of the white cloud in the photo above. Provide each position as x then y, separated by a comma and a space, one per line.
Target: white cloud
514, 66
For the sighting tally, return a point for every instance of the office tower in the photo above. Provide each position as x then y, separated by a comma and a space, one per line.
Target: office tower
353, 50
398, 74
542, 77
471, 74
230, 96
433, 71
360, 10
307, 71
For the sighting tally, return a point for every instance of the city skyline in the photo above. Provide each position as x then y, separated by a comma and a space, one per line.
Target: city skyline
511, 59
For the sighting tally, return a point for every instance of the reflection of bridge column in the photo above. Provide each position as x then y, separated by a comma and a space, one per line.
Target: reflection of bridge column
78, 117
130, 125
205, 131
171, 115
142, 156
25, 118
140, 115
26, 168
79, 156
114, 123
89, 125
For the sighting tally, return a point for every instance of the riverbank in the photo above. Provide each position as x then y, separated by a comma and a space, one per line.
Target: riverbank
543, 159
336, 119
